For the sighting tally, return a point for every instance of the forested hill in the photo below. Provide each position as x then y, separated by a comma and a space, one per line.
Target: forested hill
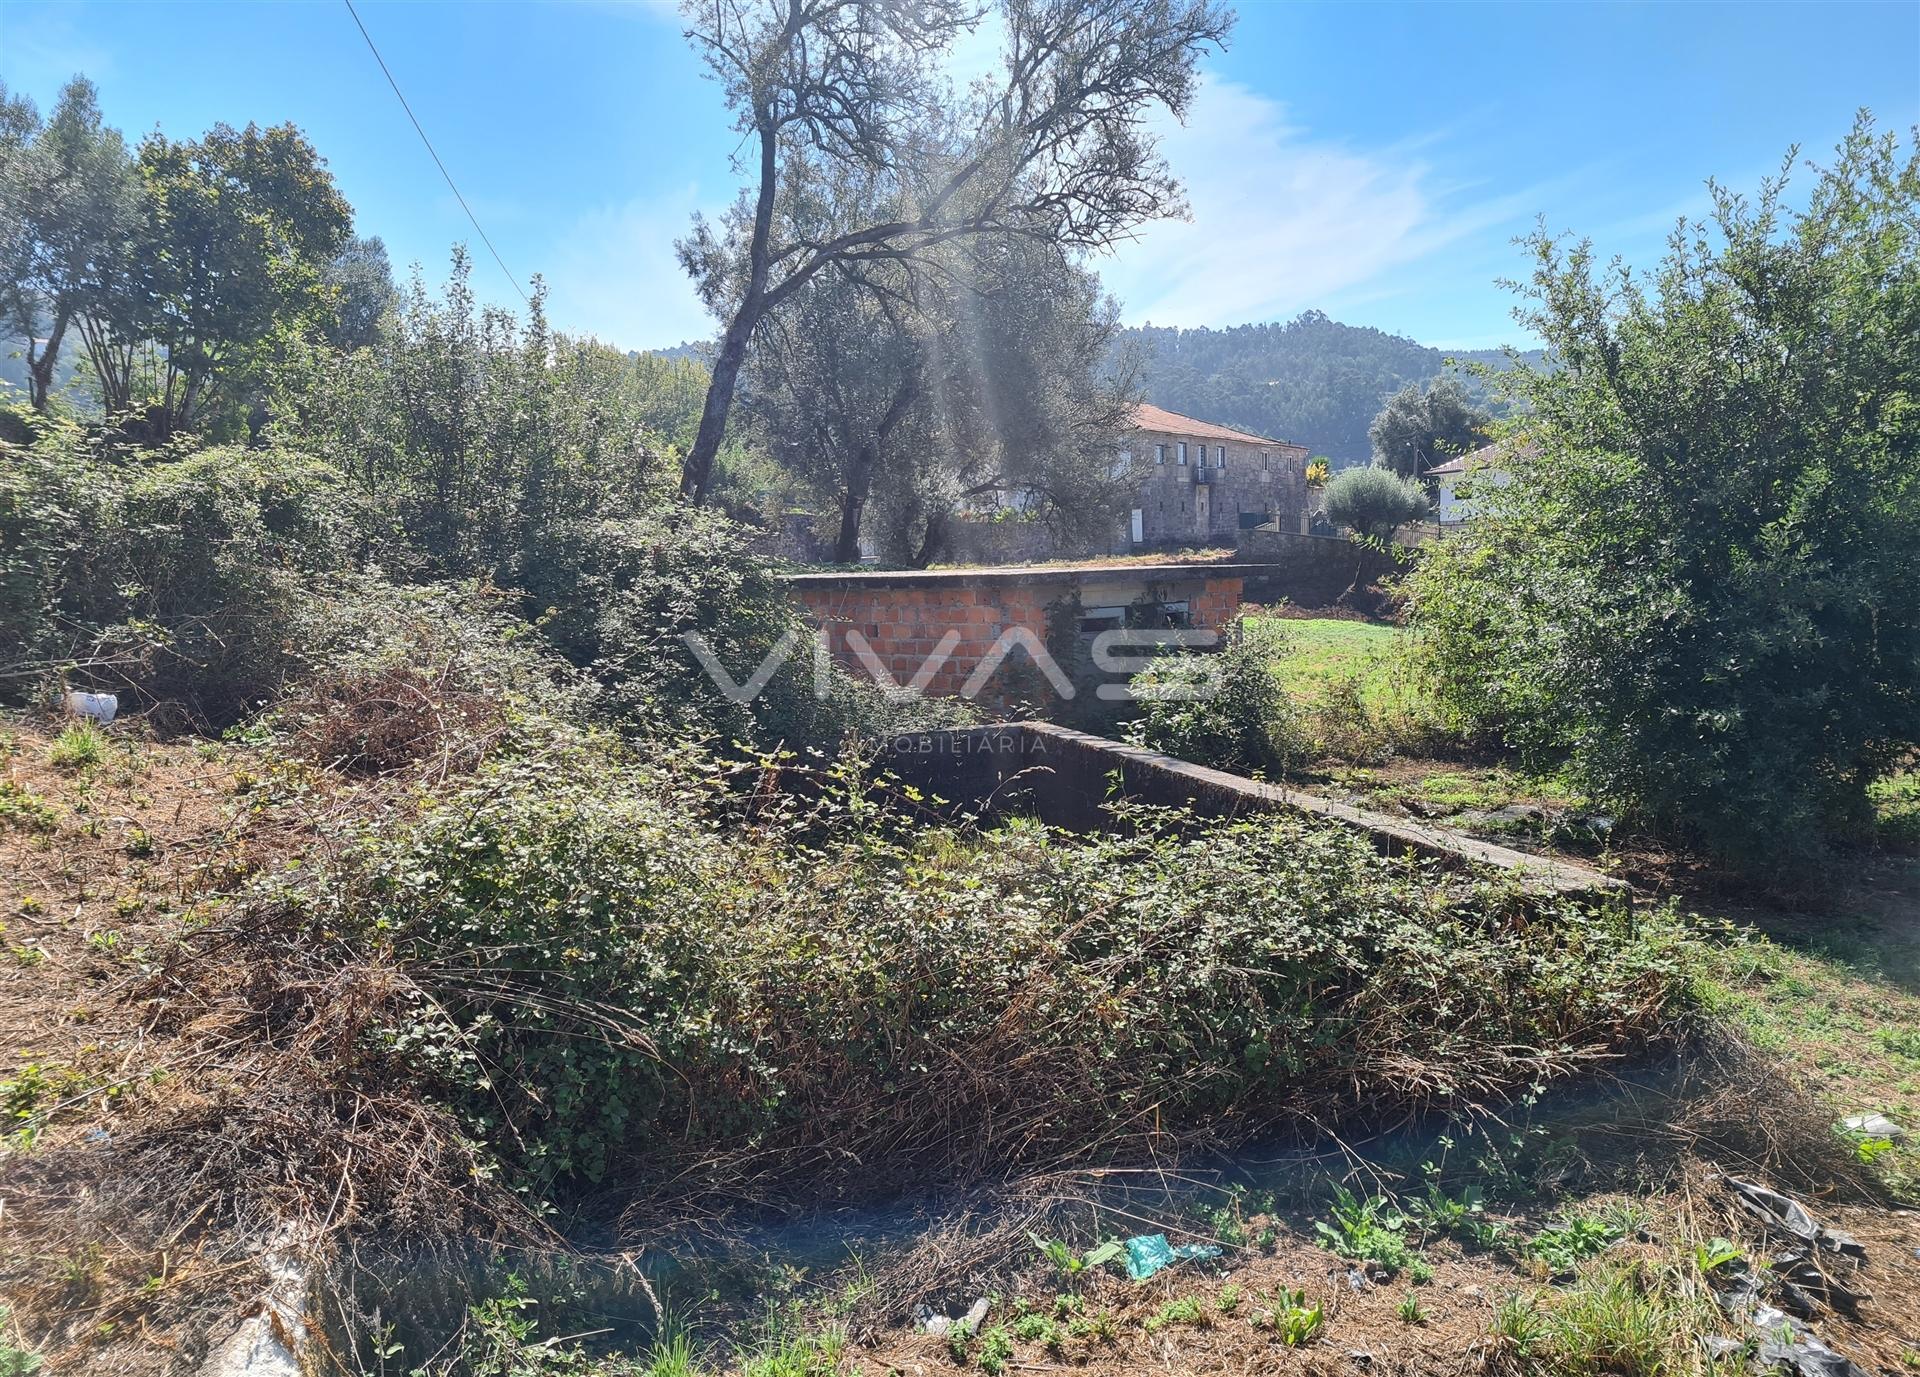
1312, 380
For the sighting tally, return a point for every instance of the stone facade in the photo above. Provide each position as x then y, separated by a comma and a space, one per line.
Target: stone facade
1206, 483
902, 617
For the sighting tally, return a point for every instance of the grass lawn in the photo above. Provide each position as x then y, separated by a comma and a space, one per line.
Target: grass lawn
1321, 653
1318, 660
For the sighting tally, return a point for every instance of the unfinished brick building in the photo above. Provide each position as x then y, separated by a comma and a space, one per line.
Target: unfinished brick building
961, 618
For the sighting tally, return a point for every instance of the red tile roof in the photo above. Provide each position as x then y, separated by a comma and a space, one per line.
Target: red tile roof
1146, 417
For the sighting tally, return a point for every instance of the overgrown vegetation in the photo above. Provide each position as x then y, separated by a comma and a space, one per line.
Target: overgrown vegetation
1224, 709
601, 983
500, 919
1700, 592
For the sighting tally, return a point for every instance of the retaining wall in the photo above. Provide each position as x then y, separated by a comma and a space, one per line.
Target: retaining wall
1308, 570
1063, 777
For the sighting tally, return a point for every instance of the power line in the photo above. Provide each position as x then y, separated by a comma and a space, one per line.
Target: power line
430, 151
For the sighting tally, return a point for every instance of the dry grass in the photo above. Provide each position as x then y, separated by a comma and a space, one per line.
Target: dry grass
173, 1130
375, 722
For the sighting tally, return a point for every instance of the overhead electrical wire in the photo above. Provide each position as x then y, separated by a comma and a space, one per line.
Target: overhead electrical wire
471, 217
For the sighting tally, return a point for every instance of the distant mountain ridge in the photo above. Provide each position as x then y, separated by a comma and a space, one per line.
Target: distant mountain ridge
1311, 380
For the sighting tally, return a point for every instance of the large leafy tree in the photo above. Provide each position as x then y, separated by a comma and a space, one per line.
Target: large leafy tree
68, 201
1423, 426
911, 390
827, 90
235, 231
1703, 592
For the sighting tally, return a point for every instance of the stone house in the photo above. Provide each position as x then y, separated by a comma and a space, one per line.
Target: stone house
1206, 483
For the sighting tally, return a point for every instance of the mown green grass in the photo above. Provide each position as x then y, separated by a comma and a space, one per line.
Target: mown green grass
1322, 653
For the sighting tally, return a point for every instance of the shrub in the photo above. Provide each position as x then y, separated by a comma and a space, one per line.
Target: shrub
1226, 710
434, 675
51, 508
1701, 589
603, 983
175, 580
1373, 501
477, 434
620, 595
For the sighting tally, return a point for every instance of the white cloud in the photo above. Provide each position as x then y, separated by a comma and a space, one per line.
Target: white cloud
613, 274
1281, 221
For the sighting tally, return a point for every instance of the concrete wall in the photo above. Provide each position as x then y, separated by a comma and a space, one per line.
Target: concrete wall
1063, 777
903, 616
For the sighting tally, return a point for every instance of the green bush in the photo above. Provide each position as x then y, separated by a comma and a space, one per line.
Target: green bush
174, 580
477, 434
1373, 501
1701, 590
606, 983
1226, 710
620, 595
214, 581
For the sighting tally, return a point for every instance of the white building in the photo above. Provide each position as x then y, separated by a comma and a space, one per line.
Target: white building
1459, 481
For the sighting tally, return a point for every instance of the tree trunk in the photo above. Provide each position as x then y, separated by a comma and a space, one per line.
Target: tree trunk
933, 542
846, 549
40, 370
696, 474
1359, 567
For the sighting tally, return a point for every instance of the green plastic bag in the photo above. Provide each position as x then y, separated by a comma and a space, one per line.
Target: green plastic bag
1150, 1253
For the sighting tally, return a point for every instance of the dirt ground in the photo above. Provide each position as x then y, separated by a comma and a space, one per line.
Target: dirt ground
1364, 1329
104, 864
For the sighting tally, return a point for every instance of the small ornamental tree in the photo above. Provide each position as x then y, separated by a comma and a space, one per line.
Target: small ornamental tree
1700, 591
1373, 501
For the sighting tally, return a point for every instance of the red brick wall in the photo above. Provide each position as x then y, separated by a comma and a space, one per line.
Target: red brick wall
904, 625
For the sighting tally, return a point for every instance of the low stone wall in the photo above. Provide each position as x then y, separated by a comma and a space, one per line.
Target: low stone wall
1064, 777
1308, 570
1005, 542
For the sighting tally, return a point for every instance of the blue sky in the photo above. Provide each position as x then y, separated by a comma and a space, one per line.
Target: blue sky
1370, 160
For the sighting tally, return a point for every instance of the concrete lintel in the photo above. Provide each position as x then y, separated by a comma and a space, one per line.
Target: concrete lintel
1020, 574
